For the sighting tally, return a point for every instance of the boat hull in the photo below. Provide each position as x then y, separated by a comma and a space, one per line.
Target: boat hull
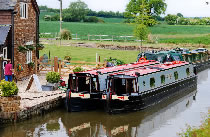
77, 104
200, 66
151, 97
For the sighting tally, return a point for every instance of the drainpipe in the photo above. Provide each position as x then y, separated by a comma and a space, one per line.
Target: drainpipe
13, 14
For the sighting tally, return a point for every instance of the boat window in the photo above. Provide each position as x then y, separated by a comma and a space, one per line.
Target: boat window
73, 83
163, 78
176, 75
144, 83
94, 83
83, 83
124, 86
152, 82
188, 71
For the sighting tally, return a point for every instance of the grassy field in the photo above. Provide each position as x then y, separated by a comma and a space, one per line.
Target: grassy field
165, 33
88, 54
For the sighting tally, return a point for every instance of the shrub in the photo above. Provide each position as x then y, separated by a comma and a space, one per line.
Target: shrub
65, 34
78, 69
53, 77
8, 88
116, 62
91, 19
67, 58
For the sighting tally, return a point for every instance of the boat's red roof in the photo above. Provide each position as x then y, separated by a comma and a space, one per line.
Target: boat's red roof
148, 70
122, 68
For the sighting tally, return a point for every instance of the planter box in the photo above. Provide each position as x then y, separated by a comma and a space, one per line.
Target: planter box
47, 88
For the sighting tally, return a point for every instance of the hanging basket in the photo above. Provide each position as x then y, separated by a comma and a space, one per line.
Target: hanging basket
19, 68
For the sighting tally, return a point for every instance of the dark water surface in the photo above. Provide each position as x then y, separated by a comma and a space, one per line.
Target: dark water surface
163, 120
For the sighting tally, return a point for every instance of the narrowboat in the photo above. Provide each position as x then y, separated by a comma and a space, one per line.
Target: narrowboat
199, 57
137, 89
85, 89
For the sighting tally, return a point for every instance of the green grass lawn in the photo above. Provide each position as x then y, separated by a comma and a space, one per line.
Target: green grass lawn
88, 54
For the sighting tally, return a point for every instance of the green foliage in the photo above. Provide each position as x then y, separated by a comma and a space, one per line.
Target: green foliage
78, 69
202, 131
8, 88
141, 32
115, 61
163, 78
22, 49
93, 19
40, 46
67, 58
30, 47
47, 18
179, 15
171, 19
144, 10
31, 64
53, 77
65, 34
76, 11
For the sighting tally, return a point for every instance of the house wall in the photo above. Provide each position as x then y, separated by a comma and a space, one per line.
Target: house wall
5, 17
24, 31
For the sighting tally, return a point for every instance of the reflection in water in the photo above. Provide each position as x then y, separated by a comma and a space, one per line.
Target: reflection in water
203, 76
100, 124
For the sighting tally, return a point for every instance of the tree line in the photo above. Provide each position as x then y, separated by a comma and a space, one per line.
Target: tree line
179, 19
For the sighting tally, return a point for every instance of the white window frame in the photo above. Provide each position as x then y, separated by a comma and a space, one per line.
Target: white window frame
28, 56
5, 53
23, 10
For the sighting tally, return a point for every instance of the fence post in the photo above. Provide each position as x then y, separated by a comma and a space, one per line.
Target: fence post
112, 38
56, 64
76, 36
100, 37
60, 67
52, 64
88, 37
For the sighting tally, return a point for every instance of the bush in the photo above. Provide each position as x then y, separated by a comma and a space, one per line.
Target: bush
78, 69
53, 77
116, 62
91, 19
65, 34
8, 88
171, 19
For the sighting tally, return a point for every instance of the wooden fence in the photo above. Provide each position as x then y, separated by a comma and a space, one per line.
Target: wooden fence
90, 37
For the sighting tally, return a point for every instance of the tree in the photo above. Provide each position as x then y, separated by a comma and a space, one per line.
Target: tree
76, 11
147, 7
179, 15
141, 32
171, 19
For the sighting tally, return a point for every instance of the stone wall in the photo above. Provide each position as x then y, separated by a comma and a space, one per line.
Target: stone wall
25, 31
9, 107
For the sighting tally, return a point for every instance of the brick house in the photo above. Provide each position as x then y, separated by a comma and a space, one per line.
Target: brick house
19, 26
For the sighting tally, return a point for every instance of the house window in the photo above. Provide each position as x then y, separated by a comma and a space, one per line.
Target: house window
29, 57
23, 10
5, 53
163, 79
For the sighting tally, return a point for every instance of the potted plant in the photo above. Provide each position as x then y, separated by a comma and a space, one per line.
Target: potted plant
53, 79
8, 89
31, 65
39, 46
22, 49
30, 47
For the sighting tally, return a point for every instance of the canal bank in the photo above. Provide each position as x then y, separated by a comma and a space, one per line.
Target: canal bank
165, 119
29, 103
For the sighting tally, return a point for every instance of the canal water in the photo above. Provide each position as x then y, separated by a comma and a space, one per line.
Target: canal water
166, 119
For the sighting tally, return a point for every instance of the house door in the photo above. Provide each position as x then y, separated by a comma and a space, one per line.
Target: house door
3, 61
